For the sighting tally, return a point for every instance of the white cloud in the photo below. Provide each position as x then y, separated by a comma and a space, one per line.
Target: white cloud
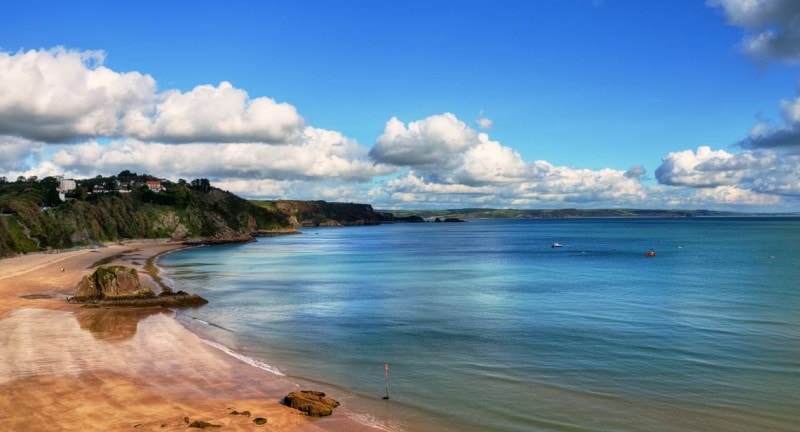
488, 162
103, 122
318, 154
62, 95
759, 172
432, 141
15, 153
731, 195
222, 114
696, 169
484, 122
59, 95
449, 162
558, 183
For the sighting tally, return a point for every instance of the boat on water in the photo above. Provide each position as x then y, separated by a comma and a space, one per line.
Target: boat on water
650, 254
556, 245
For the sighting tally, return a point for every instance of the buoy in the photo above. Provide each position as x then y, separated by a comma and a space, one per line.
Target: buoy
650, 253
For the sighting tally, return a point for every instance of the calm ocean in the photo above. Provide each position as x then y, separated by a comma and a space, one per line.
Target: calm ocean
486, 327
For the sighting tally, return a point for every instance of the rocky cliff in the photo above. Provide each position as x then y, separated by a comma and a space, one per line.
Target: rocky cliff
180, 211
322, 213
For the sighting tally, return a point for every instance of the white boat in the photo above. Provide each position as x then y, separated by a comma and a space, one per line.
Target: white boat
556, 245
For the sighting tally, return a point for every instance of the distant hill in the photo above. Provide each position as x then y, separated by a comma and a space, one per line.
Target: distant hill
322, 213
476, 213
101, 209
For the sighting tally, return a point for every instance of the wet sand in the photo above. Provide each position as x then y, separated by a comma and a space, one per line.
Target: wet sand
65, 367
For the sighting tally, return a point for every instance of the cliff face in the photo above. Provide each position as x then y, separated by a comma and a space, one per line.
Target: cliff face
321, 213
181, 212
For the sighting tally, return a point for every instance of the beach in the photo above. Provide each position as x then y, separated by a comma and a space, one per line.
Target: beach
67, 367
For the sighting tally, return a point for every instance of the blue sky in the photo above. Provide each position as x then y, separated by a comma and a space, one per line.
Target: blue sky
411, 104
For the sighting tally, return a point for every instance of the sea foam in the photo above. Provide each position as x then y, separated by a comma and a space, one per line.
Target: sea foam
249, 360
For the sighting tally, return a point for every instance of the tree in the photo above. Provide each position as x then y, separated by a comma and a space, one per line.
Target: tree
50, 187
202, 185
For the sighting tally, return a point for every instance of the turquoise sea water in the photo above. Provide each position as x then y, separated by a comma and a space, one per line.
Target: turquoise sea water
487, 328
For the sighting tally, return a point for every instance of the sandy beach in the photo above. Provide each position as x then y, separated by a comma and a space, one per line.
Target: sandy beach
65, 367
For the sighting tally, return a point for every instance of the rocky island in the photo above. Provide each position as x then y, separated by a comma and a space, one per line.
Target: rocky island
120, 286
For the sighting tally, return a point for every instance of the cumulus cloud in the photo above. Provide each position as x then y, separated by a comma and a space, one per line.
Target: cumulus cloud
760, 172
773, 26
697, 169
785, 136
431, 141
63, 112
450, 162
319, 154
17, 153
221, 114
59, 95
62, 95
731, 195
635, 172
484, 122
558, 183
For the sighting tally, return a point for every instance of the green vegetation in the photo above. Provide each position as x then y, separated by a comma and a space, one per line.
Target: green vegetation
101, 209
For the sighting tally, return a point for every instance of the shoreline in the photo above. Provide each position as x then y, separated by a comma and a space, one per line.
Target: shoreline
66, 367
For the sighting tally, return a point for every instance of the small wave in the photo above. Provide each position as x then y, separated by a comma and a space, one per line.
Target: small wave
376, 423
249, 360
198, 319
211, 324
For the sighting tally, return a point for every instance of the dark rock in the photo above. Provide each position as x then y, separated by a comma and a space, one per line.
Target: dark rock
313, 403
200, 424
244, 413
111, 282
450, 219
120, 286
260, 420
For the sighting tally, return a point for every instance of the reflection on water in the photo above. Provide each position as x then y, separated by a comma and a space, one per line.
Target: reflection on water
113, 324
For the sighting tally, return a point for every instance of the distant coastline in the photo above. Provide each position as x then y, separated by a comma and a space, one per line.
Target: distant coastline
490, 213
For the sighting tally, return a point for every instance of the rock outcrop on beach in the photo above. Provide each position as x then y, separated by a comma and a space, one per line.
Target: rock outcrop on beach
313, 403
120, 286
110, 283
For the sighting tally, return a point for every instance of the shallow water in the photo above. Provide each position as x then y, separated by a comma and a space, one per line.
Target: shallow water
488, 328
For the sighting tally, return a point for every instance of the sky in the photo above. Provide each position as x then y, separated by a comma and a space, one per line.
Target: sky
672, 104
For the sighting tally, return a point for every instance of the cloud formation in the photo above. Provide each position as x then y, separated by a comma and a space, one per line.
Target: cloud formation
773, 33
318, 155
773, 26
428, 142
16, 152
63, 112
759, 172
450, 162
62, 95
221, 114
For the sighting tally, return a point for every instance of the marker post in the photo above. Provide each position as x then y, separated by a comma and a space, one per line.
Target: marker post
386, 372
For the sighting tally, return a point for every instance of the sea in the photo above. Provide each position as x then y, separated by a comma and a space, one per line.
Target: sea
485, 326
